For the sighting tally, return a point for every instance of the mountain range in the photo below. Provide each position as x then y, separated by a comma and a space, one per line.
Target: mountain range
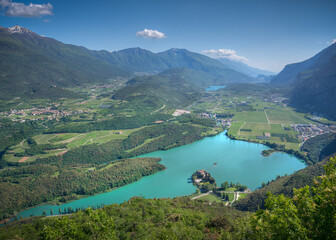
33, 66
140, 61
37, 66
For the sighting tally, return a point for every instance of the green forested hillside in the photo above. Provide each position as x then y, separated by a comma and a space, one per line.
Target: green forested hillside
178, 218
35, 66
155, 91
27, 186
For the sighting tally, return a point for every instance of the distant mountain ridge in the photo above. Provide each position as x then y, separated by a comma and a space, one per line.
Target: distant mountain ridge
289, 74
244, 68
140, 60
35, 66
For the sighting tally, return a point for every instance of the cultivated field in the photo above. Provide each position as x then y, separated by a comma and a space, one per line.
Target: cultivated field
256, 118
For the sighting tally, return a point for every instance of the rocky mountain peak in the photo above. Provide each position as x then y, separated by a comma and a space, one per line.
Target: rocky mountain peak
19, 29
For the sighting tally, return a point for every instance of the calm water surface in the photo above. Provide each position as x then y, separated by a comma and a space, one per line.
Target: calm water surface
226, 160
214, 88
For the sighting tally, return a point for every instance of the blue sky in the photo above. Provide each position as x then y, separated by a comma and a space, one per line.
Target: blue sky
264, 33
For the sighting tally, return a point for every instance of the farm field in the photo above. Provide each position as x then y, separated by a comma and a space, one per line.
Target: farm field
256, 117
262, 131
276, 131
286, 117
235, 127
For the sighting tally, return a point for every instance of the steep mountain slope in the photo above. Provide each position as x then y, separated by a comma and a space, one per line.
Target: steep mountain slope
315, 90
244, 68
289, 74
35, 66
312, 83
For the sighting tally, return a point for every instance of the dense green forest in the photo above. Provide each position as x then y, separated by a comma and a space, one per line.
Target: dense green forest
309, 214
27, 186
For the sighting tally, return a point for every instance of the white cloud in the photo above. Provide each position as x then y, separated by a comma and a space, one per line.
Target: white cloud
224, 53
148, 33
5, 3
22, 10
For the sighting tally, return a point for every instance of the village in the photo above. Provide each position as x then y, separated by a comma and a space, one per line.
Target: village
43, 113
307, 131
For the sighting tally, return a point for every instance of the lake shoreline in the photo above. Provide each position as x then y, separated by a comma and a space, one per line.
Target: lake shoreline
272, 149
54, 201
74, 197
221, 140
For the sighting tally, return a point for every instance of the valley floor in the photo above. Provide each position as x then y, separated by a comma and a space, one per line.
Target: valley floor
62, 140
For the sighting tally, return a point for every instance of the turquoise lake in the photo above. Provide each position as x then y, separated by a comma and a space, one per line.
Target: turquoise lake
236, 161
214, 88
